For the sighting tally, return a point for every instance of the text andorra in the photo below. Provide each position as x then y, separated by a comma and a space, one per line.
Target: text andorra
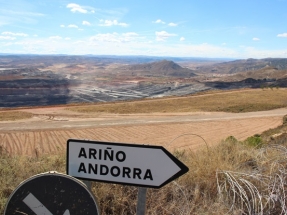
115, 171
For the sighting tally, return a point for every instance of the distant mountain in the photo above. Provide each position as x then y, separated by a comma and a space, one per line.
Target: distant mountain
17, 60
159, 68
266, 73
250, 64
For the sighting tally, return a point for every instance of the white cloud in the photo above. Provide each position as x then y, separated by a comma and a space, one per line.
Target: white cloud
129, 43
86, 23
282, 35
112, 22
172, 24
67, 38
255, 39
62, 26
130, 34
251, 52
115, 37
15, 34
55, 38
77, 8
159, 21
7, 38
182, 39
73, 26
163, 35
79, 42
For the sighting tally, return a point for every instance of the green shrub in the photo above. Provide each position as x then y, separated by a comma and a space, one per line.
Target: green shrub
254, 141
231, 139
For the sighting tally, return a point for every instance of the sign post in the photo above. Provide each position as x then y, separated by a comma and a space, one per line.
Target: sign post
120, 163
141, 201
130, 164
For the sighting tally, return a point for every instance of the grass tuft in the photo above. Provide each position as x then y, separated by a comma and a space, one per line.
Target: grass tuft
14, 115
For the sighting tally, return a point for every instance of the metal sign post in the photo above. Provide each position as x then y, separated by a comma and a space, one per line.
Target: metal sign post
141, 206
120, 163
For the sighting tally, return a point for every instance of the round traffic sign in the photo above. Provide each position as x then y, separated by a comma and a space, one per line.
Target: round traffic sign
50, 194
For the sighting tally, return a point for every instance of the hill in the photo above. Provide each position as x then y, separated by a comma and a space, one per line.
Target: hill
160, 68
266, 77
29, 80
250, 64
267, 72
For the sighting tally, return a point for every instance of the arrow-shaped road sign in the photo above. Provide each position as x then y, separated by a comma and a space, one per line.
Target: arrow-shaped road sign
131, 164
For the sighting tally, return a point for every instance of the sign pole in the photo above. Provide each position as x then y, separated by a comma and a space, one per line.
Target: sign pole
145, 166
141, 205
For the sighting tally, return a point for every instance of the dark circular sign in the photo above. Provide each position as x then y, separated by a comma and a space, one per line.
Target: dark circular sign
51, 193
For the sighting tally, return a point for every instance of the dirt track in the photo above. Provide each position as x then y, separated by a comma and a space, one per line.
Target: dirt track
50, 128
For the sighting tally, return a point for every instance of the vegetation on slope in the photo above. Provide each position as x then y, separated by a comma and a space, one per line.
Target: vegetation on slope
246, 177
14, 115
226, 101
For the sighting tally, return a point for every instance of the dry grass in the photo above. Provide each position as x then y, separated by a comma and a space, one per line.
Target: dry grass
196, 191
15, 169
230, 178
14, 115
233, 101
261, 191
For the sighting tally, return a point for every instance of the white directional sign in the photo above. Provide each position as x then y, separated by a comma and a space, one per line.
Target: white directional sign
140, 165
50, 194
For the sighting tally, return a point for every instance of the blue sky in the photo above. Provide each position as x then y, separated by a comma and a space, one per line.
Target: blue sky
183, 28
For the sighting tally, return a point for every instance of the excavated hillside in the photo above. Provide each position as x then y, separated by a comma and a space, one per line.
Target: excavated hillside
30, 87
48, 80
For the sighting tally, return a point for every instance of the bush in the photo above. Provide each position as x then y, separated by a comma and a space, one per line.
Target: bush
231, 139
254, 141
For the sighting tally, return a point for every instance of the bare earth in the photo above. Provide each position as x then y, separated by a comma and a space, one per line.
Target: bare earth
50, 128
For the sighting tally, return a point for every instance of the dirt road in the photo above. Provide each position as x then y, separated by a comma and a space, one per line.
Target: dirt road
50, 128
